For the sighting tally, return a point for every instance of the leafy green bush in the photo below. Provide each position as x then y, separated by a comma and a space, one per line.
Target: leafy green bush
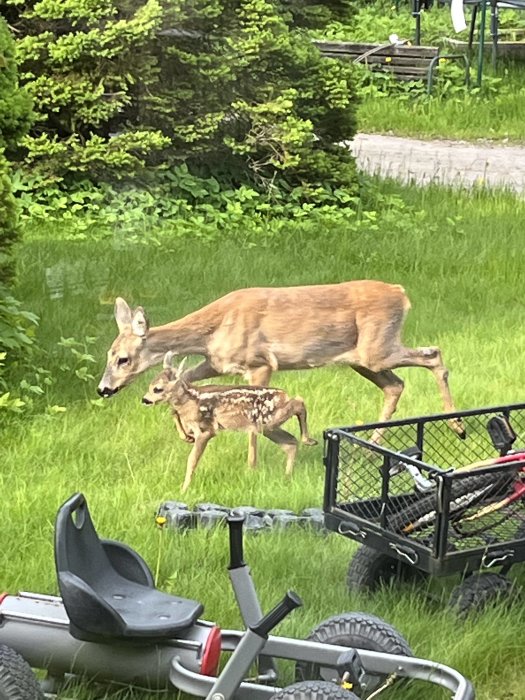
8, 227
15, 117
15, 104
229, 88
16, 325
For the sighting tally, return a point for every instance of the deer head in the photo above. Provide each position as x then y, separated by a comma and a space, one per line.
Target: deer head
168, 384
127, 356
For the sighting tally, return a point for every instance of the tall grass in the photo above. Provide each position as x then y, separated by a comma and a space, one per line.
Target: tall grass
461, 263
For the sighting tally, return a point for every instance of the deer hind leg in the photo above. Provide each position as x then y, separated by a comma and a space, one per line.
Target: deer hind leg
197, 450
286, 442
432, 359
392, 387
297, 407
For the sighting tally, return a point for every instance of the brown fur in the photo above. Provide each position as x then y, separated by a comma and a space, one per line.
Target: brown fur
200, 412
256, 331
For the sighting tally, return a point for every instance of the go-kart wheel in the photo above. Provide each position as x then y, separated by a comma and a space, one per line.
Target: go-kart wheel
17, 680
314, 690
479, 591
359, 631
369, 568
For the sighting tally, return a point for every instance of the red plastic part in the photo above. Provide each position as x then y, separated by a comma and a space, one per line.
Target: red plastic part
212, 653
3, 596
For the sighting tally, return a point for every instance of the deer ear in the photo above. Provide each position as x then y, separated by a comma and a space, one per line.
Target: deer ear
139, 322
181, 367
168, 360
122, 314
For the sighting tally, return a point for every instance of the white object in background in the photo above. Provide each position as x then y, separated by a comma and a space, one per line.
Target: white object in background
457, 14
393, 39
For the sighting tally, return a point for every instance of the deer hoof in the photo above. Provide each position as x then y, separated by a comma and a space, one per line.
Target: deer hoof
309, 441
457, 425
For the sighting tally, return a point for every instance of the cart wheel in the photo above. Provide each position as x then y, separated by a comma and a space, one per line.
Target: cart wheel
314, 690
369, 568
17, 680
356, 630
478, 591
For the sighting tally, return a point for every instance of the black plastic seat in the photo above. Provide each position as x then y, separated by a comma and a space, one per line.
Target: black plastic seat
107, 588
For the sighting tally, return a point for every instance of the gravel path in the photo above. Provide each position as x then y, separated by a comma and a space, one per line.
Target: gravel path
444, 162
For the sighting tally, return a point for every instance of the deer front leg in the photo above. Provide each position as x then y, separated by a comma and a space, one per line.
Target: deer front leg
288, 444
201, 440
258, 377
203, 370
187, 437
252, 450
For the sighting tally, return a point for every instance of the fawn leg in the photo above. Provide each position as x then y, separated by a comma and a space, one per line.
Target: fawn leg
287, 443
187, 437
294, 407
299, 409
201, 440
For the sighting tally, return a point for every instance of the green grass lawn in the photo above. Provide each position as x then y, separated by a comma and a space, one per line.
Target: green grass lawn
469, 116
461, 263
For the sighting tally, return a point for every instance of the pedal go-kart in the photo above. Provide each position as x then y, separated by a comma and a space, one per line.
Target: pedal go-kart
112, 625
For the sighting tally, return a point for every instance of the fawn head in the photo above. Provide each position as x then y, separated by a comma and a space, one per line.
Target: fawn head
168, 384
127, 356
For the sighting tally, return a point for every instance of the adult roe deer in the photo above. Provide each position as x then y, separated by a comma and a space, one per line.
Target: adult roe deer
256, 331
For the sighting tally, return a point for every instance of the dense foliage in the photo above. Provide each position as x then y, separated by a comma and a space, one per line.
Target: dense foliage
233, 88
15, 117
15, 105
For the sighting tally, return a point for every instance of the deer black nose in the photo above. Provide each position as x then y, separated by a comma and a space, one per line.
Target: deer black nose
106, 392
146, 401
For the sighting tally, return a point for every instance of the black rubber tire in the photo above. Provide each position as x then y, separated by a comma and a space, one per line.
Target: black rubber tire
479, 591
460, 487
314, 690
357, 630
17, 680
369, 568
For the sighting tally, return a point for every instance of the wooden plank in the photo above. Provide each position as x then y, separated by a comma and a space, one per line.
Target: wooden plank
395, 61
341, 47
372, 61
401, 70
388, 52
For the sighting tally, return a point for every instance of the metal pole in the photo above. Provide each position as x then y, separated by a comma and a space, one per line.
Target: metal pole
481, 40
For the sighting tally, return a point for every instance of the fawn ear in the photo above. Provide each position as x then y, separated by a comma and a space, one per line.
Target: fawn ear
181, 367
139, 322
122, 314
167, 363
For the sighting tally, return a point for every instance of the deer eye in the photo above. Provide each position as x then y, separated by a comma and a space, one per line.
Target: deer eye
122, 361
157, 390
